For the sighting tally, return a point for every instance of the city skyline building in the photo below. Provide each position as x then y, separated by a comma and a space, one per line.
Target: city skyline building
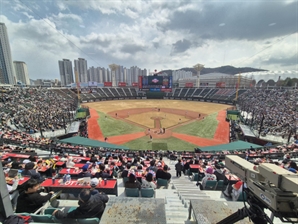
21, 72
99, 75
66, 72
80, 66
7, 73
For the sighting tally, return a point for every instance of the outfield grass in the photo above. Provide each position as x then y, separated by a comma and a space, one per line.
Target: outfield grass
172, 144
112, 127
203, 128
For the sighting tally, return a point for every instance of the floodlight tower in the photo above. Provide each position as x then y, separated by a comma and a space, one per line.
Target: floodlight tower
198, 67
113, 68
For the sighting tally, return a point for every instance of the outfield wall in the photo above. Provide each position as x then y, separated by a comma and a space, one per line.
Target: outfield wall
165, 98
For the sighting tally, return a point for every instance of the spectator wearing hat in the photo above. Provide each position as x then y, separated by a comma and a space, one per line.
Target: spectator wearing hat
236, 190
163, 173
90, 206
93, 184
132, 181
208, 176
219, 173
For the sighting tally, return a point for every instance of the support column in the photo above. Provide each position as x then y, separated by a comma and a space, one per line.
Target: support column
113, 68
198, 67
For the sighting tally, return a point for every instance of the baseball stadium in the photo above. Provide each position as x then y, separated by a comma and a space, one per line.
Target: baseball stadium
156, 152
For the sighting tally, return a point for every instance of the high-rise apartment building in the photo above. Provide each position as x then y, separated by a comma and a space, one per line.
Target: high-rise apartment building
21, 72
81, 68
66, 72
7, 74
181, 74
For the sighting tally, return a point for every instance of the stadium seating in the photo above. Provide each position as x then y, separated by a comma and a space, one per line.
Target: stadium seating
242, 196
43, 218
147, 192
210, 185
219, 185
132, 192
162, 183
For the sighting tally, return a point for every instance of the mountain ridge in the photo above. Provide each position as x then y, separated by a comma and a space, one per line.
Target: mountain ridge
227, 69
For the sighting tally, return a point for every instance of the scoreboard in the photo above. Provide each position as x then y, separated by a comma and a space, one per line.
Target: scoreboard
156, 83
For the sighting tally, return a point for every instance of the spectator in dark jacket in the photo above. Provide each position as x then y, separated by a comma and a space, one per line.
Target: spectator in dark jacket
90, 206
219, 173
93, 159
186, 167
30, 199
30, 171
125, 172
163, 174
103, 173
132, 182
179, 168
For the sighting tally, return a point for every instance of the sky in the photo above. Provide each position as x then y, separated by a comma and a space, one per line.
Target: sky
152, 34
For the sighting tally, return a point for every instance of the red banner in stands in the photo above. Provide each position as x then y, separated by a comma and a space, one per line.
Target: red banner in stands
221, 84
140, 82
107, 83
121, 84
189, 84
135, 84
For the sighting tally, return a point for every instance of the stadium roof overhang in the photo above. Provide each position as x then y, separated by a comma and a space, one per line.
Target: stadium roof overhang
270, 75
77, 140
238, 145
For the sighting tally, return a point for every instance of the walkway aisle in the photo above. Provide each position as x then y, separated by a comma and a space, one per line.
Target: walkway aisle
176, 206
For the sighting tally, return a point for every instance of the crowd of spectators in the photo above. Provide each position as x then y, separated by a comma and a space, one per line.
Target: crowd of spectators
32, 109
276, 107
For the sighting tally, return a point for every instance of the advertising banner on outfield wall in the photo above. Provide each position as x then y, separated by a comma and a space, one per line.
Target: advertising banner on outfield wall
135, 84
107, 83
121, 84
91, 83
189, 84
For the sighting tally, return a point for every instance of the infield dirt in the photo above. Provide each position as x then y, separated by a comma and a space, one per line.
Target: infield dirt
156, 114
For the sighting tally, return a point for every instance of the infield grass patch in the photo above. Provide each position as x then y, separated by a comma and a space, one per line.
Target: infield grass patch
172, 144
204, 128
112, 127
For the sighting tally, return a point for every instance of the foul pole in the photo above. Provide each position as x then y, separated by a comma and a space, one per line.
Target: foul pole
78, 86
238, 84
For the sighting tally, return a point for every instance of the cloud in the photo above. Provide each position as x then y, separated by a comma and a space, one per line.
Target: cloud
181, 46
132, 48
96, 39
290, 60
146, 33
243, 21
62, 16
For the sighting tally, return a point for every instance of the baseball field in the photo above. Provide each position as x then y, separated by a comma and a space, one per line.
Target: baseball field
159, 124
